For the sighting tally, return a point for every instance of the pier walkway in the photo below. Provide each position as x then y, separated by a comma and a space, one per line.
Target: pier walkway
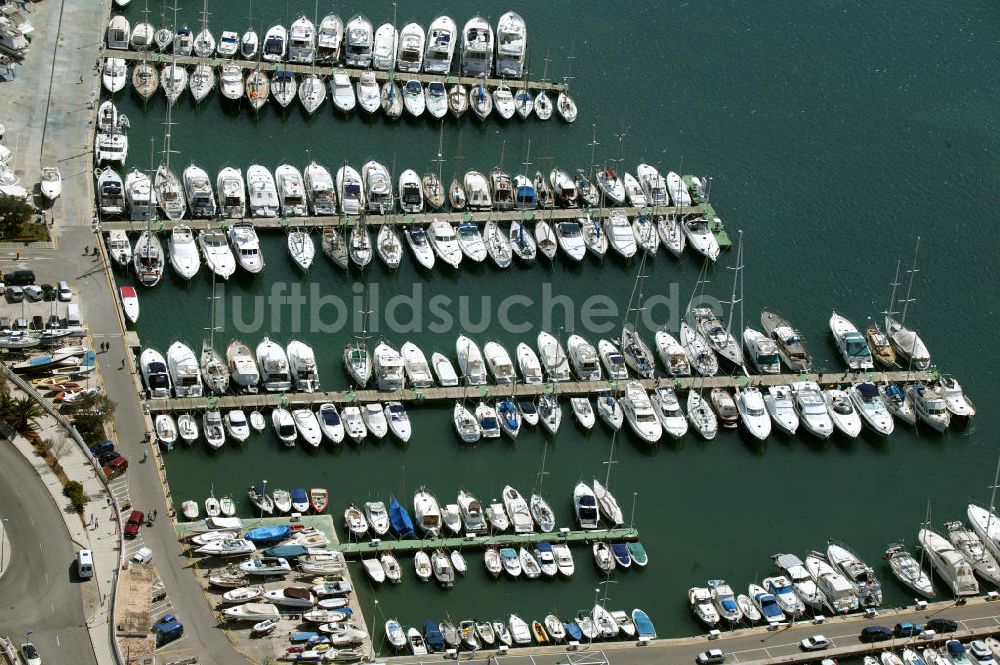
497, 540
329, 70
568, 388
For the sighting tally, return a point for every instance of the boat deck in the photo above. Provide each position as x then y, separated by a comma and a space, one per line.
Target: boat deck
375, 547
568, 388
328, 70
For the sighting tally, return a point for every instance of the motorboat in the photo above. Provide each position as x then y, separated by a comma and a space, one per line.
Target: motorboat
543, 192
384, 47
958, 403
725, 407
517, 510
930, 408
260, 499
501, 189
703, 606
470, 361
620, 236
499, 363
351, 190
653, 185
444, 242
236, 425
354, 424
443, 370
263, 192
388, 367
668, 409
603, 558
416, 238
545, 239
838, 592
427, 513
138, 197
553, 357
724, 601
566, 106
284, 426
273, 364
410, 52
374, 417
780, 406
753, 412
291, 191
284, 87
258, 89
440, 45
868, 404
414, 100
242, 366
114, 75
369, 98
391, 100
586, 507
766, 603
803, 586
862, 577
415, 365
811, 406
486, 417
971, 547
762, 350
378, 188
411, 196
329, 38
498, 244
330, 423
949, 564
169, 194
583, 411
509, 417
108, 147
436, 97
610, 411
563, 187
342, 92
307, 426
249, 43
898, 403
118, 32
907, 343
613, 360
791, 348
312, 93
302, 41
477, 47
571, 240
166, 432
549, 413
185, 372
275, 45
672, 354
639, 413
183, 252
50, 185
230, 187
301, 248
850, 343
908, 570
841, 409
781, 588
638, 356
477, 191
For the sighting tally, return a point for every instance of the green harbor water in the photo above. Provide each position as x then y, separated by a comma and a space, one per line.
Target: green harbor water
835, 133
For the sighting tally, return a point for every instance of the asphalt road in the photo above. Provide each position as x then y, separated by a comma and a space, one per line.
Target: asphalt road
39, 591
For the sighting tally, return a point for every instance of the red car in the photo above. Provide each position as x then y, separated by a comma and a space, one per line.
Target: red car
135, 521
116, 467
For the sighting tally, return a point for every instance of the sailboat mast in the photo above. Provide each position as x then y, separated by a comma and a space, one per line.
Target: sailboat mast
993, 496
909, 286
736, 275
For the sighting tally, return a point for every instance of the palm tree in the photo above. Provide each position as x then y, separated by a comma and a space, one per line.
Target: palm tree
22, 413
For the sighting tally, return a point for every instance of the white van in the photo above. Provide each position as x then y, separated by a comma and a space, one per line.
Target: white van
72, 315
85, 564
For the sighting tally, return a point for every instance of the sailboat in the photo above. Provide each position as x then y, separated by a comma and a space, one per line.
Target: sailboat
357, 359
147, 256
906, 342
214, 371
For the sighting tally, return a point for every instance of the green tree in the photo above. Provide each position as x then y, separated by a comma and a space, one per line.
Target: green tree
14, 214
89, 414
73, 491
22, 413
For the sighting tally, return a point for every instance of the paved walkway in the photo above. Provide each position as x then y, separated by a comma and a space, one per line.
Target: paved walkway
98, 531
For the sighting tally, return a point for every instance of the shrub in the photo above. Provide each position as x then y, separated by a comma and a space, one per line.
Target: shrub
73, 490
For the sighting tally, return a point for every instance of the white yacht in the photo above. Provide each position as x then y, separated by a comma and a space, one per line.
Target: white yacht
859, 573
375, 420
444, 370
471, 241
110, 147
307, 426
414, 100
445, 243
436, 98
570, 236
416, 238
781, 588
147, 258
398, 420
620, 235
841, 409
320, 193
803, 584
873, 412
477, 47
672, 354
427, 513
351, 190
229, 43
753, 412
302, 41
418, 372
499, 363
236, 425
302, 367
115, 74
246, 247
613, 360
949, 564
781, 407
358, 42
284, 426
668, 409
639, 413
185, 373
470, 361
169, 194
249, 42
411, 196
956, 400
441, 39
851, 343
354, 424
138, 196
198, 188
273, 364
119, 248
517, 510
230, 187
410, 51
218, 256
986, 524
699, 235
330, 423
528, 363
553, 357
118, 32
342, 92
275, 45
701, 415
183, 252
813, 414
388, 367
368, 92
384, 47
263, 192
838, 592
466, 425
291, 191
312, 93
763, 351
154, 374
588, 513
653, 185
329, 39
242, 367
503, 101
477, 191
929, 406
584, 359
512, 44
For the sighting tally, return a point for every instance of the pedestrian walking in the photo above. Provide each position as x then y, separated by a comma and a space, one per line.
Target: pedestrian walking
123, 364
86, 250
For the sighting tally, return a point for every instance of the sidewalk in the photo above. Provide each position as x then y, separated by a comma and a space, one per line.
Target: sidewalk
5, 549
102, 539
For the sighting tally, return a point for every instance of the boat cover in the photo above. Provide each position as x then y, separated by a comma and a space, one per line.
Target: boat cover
868, 390
400, 520
267, 534
433, 636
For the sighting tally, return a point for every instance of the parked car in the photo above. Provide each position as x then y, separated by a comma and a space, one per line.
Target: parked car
15, 294
814, 643
875, 634
711, 657
134, 523
142, 555
941, 626
19, 277
167, 629
65, 293
116, 467
48, 292
102, 447
30, 654
34, 293
906, 629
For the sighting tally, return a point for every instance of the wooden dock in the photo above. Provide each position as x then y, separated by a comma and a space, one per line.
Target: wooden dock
565, 388
329, 70
375, 547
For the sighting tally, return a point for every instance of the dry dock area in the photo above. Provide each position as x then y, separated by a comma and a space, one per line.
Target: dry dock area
568, 388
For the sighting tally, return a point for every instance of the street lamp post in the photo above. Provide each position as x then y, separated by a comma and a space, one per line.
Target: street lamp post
3, 538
